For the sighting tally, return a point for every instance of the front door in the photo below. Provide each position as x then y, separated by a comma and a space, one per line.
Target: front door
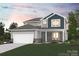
56, 36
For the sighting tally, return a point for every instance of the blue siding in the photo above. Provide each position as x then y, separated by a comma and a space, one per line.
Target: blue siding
56, 17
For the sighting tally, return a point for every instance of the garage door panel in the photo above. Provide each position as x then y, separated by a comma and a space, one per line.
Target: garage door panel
24, 37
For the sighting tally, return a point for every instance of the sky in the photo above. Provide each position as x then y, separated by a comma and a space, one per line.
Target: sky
19, 12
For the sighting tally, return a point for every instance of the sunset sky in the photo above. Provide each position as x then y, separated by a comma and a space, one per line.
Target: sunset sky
19, 12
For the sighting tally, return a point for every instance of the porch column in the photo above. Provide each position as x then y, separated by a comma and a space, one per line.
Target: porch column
63, 36
11, 36
45, 36
66, 35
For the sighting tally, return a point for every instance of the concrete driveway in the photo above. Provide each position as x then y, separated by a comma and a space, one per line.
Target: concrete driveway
7, 47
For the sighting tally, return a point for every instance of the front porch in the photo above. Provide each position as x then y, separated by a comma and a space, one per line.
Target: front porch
49, 36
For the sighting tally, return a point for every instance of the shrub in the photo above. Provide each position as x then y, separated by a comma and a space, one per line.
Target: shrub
7, 36
74, 42
2, 39
67, 42
55, 41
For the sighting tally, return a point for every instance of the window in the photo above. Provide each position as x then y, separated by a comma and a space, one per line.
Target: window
55, 23
44, 22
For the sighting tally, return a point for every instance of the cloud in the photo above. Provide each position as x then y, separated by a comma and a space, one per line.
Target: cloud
19, 17
23, 5
19, 12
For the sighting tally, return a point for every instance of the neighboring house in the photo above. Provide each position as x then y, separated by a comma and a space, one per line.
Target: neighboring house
42, 30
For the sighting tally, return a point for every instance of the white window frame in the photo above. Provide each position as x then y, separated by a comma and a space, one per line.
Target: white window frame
55, 25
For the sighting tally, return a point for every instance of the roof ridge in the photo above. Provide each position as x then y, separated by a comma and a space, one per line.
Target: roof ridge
33, 19
48, 15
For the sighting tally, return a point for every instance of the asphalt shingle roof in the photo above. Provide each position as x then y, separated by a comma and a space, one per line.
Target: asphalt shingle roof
28, 26
34, 19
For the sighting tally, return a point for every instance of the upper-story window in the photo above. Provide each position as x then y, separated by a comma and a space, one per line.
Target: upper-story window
44, 22
55, 23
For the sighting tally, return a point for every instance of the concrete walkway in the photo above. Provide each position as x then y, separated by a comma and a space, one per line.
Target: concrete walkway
7, 47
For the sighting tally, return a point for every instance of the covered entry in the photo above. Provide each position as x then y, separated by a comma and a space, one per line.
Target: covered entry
50, 36
54, 36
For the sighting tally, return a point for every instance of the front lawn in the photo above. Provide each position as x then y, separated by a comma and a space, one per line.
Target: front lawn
50, 49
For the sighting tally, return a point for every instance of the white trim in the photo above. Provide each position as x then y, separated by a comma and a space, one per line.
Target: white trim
36, 33
60, 15
66, 35
53, 15
54, 21
63, 39
64, 23
45, 36
11, 36
47, 17
23, 30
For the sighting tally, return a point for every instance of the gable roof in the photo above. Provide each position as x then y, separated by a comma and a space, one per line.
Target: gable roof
28, 26
52, 14
48, 15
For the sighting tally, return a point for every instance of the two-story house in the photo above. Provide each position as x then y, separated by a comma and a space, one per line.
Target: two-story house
51, 28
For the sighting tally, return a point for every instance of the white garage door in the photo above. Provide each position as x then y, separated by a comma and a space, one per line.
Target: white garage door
23, 37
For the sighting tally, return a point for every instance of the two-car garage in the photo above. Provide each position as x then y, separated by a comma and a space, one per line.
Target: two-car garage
23, 37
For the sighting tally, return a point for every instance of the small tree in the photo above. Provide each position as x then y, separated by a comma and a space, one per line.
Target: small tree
13, 25
1, 29
1, 32
72, 26
76, 12
7, 36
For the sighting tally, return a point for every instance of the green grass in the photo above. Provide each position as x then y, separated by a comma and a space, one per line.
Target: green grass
51, 49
